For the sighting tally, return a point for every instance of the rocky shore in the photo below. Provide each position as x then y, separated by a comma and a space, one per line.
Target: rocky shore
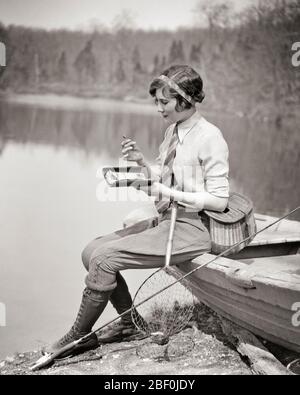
204, 347
200, 349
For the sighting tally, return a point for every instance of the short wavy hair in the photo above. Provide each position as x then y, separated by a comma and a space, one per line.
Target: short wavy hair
187, 79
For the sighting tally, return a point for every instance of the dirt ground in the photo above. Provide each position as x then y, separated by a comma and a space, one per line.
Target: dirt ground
200, 349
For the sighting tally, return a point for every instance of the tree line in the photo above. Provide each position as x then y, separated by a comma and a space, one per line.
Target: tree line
246, 67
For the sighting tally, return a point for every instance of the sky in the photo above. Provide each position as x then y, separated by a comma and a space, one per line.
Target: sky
76, 14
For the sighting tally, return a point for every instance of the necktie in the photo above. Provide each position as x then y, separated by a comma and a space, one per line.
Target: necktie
167, 176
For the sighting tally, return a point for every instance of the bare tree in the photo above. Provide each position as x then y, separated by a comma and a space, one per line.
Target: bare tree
215, 13
124, 21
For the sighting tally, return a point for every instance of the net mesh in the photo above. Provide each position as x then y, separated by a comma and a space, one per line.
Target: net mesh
166, 313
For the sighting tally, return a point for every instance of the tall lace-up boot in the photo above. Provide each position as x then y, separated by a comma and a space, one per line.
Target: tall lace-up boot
121, 299
92, 305
123, 329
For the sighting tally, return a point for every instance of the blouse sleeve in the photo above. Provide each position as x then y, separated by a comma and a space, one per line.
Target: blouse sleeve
213, 157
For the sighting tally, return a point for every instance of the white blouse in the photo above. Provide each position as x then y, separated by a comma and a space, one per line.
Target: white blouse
200, 166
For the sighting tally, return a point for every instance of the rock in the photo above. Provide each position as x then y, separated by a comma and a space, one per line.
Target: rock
159, 338
189, 352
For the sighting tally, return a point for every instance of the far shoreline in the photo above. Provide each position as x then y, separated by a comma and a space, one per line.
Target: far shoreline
72, 102
65, 101
128, 103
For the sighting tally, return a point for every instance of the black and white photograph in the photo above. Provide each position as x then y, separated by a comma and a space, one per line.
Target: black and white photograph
149, 190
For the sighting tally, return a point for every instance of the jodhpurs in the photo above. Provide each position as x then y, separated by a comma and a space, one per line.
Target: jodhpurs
141, 247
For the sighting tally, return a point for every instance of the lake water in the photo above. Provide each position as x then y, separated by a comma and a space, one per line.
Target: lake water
51, 150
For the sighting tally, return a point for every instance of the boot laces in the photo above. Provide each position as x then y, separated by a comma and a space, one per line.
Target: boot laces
68, 337
73, 332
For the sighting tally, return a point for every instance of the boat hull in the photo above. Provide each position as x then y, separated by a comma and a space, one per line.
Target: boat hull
261, 294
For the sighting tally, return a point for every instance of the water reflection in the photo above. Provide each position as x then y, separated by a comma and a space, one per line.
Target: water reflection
94, 132
265, 163
264, 158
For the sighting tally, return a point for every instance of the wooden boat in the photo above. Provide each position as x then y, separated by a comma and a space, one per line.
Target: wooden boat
258, 288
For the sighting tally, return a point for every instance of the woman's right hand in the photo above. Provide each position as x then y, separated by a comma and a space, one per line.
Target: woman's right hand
131, 151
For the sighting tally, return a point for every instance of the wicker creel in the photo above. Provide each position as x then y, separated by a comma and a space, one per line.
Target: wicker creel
231, 226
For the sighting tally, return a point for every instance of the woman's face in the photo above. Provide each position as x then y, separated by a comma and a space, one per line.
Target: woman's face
166, 107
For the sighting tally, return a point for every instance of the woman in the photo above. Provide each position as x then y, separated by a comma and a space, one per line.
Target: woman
192, 169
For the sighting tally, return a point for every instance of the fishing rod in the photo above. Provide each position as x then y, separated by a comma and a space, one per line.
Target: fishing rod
48, 359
